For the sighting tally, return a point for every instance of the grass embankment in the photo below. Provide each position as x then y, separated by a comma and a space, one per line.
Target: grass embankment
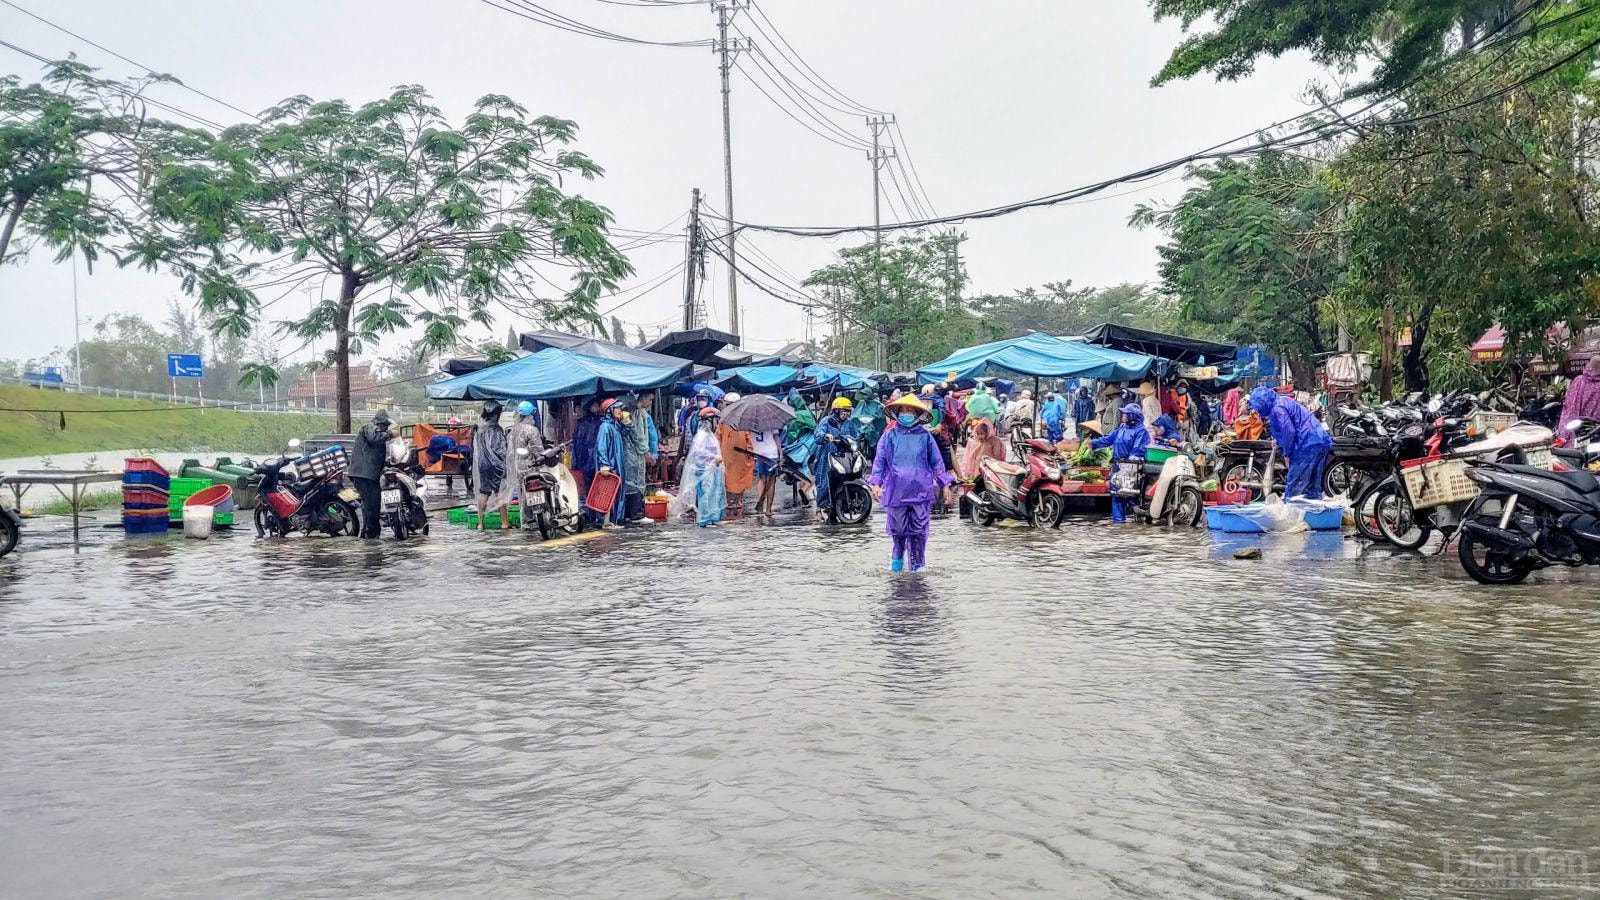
105, 423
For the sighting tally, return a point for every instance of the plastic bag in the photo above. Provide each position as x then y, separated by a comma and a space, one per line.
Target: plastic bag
1275, 516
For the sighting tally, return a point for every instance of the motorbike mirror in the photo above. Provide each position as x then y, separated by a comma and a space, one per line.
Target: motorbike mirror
1435, 404
1575, 424
294, 443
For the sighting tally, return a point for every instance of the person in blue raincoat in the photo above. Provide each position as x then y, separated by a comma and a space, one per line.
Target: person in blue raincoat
837, 424
1127, 443
1054, 416
1164, 432
1305, 441
1083, 408
611, 455
583, 439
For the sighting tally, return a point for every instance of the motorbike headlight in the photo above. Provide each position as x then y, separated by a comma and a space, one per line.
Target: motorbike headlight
1052, 473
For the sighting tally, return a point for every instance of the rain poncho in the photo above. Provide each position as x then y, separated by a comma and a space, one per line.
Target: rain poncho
1583, 397
609, 453
984, 444
911, 472
833, 427
738, 467
584, 435
1230, 406
489, 464
955, 410
982, 405
803, 423
1165, 431
635, 444
1054, 416
870, 418
702, 487
1305, 441
1128, 442
525, 435
1083, 406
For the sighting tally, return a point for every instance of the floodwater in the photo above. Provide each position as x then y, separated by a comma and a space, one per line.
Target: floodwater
766, 711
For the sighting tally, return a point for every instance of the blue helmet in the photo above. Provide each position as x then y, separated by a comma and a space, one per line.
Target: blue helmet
524, 408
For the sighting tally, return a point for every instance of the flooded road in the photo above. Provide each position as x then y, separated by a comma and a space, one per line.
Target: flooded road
767, 711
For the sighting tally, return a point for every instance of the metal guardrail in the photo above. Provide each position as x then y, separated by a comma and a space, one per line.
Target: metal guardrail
176, 399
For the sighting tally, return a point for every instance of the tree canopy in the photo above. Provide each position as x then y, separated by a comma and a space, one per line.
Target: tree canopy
448, 223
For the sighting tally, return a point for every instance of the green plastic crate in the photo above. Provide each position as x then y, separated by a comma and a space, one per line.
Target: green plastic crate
457, 516
514, 514
184, 488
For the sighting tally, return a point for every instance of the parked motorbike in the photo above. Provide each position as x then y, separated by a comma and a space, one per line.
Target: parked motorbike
403, 509
10, 526
1528, 518
1029, 493
850, 498
1170, 491
319, 503
549, 494
1584, 449
1251, 466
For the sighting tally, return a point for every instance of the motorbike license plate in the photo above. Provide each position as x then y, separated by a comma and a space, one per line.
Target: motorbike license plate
349, 495
536, 499
391, 498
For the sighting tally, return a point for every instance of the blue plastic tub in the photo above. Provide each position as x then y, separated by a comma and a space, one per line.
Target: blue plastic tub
1228, 520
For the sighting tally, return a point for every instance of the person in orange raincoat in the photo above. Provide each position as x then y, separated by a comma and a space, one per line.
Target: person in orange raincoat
1249, 426
739, 468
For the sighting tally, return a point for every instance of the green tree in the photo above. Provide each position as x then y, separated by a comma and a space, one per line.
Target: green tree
1406, 35
1468, 216
1061, 309
906, 295
388, 197
1251, 255
74, 149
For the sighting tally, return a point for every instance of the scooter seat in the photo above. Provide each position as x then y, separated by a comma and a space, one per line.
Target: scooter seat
1580, 480
1004, 468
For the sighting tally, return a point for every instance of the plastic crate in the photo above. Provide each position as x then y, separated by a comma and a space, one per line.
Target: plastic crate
1435, 482
184, 488
1159, 454
1096, 490
457, 516
147, 479
1486, 423
512, 512
144, 464
332, 461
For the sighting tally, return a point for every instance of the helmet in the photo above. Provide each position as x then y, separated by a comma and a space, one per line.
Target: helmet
524, 408
909, 401
709, 412
842, 403
730, 396
605, 405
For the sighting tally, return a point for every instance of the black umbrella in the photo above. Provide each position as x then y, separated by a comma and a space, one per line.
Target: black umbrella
757, 412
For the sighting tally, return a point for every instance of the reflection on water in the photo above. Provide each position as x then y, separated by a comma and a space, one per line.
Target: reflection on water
1095, 712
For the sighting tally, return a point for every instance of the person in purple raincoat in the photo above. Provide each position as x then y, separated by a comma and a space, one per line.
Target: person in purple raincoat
907, 474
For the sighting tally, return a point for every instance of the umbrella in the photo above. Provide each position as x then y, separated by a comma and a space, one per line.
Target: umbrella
757, 412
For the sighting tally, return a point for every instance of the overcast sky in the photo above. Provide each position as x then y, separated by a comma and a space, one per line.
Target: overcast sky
998, 102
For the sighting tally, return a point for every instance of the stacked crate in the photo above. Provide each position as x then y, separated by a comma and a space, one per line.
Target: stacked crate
146, 493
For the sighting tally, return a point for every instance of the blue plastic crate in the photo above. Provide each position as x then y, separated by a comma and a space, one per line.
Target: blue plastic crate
150, 479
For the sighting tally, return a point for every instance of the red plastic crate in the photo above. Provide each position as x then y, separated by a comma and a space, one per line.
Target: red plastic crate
603, 492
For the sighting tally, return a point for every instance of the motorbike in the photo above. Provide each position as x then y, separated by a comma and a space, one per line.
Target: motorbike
549, 494
850, 498
1251, 466
318, 503
402, 505
10, 526
1584, 449
1528, 518
1168, 490
1029, 493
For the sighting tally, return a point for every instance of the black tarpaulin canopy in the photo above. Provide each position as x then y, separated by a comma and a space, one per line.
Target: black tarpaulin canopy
698, 345
1186, 350
456, 367
544, 339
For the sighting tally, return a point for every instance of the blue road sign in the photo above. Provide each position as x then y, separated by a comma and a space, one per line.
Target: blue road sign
185, 365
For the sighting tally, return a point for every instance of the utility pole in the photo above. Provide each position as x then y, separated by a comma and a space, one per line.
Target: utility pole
726, 10
696, 255
878, 155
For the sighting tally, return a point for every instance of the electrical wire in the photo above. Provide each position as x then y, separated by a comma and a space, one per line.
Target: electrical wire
774, 101
130, 94
1317, 133
535, 13
797, 94
916, 177
810, 74
148, 69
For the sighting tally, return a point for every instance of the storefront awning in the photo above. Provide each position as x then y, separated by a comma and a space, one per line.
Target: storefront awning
555, 373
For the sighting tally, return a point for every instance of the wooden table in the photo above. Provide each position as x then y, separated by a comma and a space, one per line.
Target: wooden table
62, 480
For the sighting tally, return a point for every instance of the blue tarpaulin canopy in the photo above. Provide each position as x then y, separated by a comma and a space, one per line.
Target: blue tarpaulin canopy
555, 373
1039, 355
847, 377
757, 379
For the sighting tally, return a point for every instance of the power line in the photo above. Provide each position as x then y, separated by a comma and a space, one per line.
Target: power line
796, 94
148, 69
535, 13
805, 68
1317, 133
786, 111
119, 89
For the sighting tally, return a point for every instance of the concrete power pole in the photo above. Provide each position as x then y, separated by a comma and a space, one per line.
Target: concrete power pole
878, 155
695, 255
726, 10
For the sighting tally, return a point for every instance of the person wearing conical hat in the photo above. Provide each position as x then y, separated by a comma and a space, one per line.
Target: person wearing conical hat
908, 473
